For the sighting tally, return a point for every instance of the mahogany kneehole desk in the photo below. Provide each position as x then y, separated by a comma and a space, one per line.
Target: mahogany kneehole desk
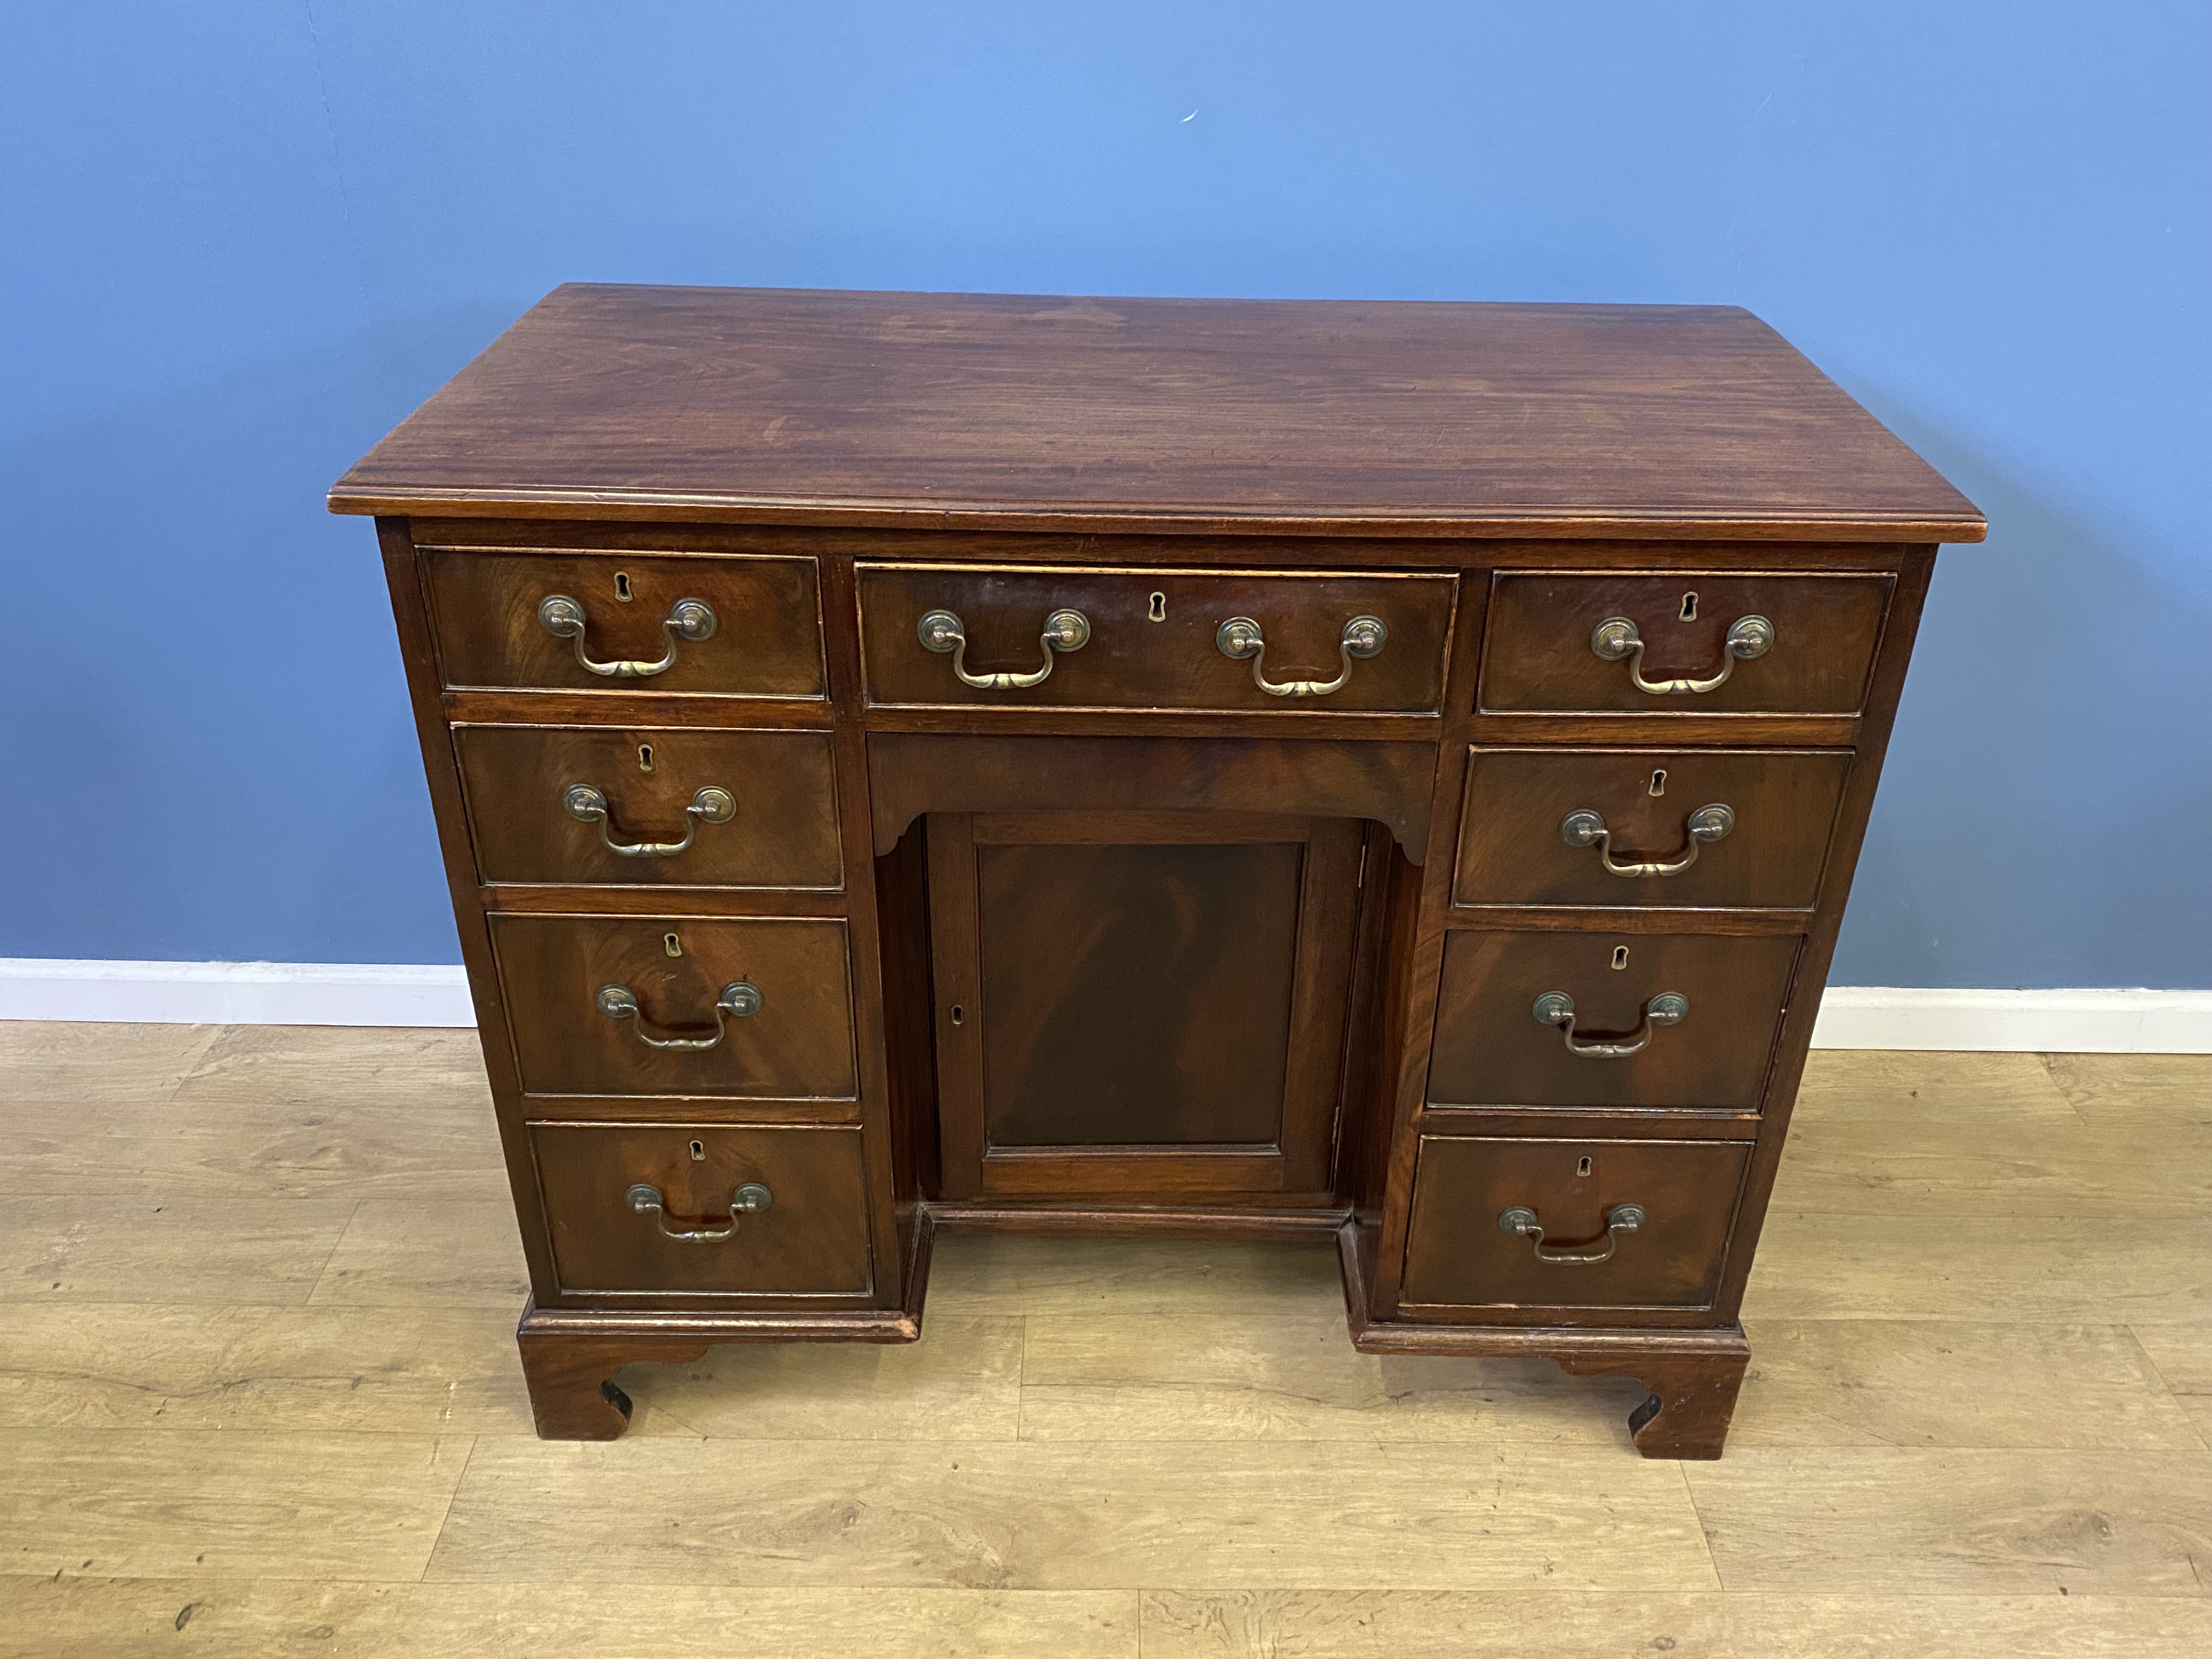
910, 761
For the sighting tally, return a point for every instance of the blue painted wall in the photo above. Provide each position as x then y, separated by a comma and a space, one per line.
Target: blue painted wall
237, 242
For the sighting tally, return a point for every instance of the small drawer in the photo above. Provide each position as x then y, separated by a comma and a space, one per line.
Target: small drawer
735, 625
641, 1209
1575, 1019
751, 1007
1697, 828
651, 806
1682, 642
1153, 639
1570, 1223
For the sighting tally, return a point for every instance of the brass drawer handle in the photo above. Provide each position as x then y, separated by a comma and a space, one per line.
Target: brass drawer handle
1239, 637
1623, 1218
1616, 637
1064, 630
749, 1200
741, 999
1585, 828
1557, 1008
709, 805
688, 619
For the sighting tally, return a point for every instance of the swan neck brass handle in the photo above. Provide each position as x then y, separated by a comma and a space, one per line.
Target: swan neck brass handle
1239, 637
1621, 1219
687, 619
1064, 630
1584, 828
711, 805
1557, 1008
1616, 637
740, 999
749, 1200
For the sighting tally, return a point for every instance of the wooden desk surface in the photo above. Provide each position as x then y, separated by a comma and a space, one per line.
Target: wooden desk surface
1008, 411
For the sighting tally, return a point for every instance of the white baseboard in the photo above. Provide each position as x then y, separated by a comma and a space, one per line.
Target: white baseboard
2065, 1022
347, 994
235, 992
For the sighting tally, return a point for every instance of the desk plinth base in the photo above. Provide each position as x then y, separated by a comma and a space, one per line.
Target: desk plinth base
569, 1358
1692, 1375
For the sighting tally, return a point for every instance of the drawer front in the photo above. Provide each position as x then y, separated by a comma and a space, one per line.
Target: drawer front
1702, 828
1493, 1049
1153, 638
771, 1210
1541, 646
1570, 1223
499, 627
651, 807
567, 978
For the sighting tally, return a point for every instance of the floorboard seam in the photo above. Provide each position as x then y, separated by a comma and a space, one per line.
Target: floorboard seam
336, 1244
217, 1033
1704, 1538
2064, 1093
431, 1554
1022, 1384
2165, 1382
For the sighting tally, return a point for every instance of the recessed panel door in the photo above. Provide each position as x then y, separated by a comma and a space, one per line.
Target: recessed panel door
1146, 1007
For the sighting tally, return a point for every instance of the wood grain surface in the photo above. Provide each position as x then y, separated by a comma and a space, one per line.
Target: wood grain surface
1538, 658
1022, 411
1492, 1050
1511, 850
1950, 1420
1153, 642
766, 640
799, 1043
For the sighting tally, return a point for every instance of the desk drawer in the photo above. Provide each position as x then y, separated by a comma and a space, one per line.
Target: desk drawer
751, 1007
1153, 639
732, 625
1555, 643
1570, 1223
1697, 828
693, 807
778, 1210
1658, 1019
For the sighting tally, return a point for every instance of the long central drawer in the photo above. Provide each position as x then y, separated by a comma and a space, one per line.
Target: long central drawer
935, 636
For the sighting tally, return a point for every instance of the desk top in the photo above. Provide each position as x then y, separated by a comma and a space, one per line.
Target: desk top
1010, 411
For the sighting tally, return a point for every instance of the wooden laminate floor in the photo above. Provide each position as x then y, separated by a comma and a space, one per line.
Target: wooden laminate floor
258, 1396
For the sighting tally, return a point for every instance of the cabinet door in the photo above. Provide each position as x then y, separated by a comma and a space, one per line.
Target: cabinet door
1146, 1007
